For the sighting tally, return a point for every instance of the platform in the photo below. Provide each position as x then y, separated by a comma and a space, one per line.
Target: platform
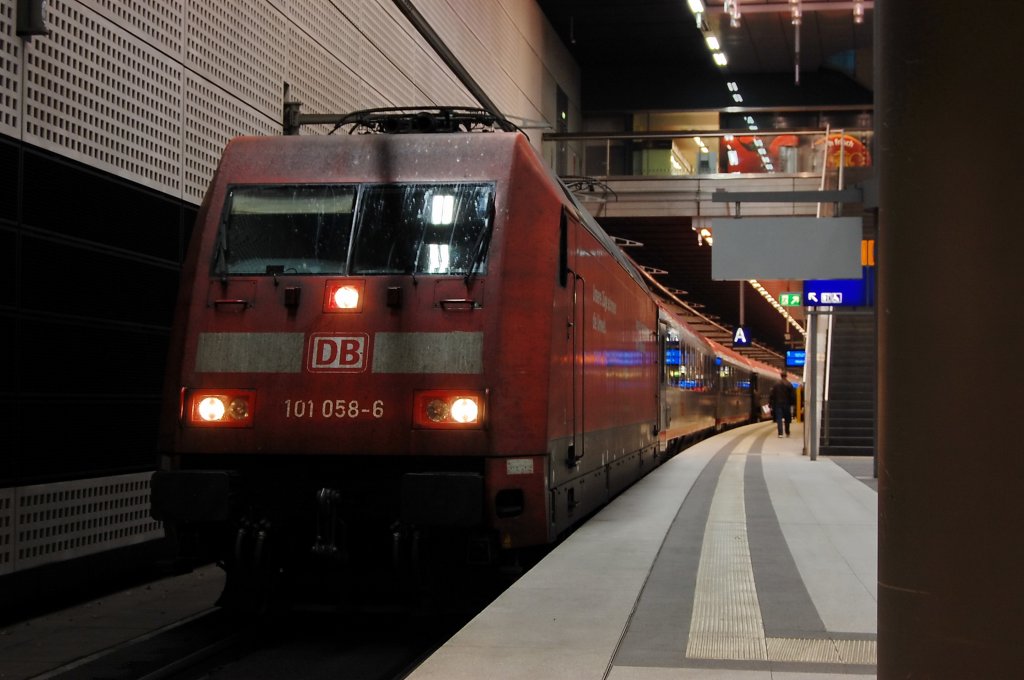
738, 558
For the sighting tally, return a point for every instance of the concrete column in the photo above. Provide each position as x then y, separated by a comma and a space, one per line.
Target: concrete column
950, 163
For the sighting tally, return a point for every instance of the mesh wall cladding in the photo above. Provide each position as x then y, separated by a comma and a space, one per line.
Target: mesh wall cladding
53, 522
151, 90
98, 94
10, 56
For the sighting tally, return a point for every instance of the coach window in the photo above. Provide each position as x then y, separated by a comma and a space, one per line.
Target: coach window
690, 368
674, 367
689, 378
286, 229
423, 229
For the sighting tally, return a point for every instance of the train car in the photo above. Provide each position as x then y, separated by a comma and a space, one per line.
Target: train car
733, 387
404, 337
688, 394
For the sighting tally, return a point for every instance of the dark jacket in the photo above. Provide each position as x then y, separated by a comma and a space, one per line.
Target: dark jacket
782, 396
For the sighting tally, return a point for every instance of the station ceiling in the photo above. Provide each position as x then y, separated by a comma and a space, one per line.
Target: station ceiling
651, 55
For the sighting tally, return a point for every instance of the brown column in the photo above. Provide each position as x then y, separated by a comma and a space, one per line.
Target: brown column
950, 152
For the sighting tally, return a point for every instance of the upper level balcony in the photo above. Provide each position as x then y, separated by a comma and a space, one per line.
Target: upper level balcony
676, 174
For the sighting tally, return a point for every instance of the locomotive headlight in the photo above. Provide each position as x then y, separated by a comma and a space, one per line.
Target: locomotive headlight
465, 410
211, 409
343, 295
448, 409
218, 408
346, 297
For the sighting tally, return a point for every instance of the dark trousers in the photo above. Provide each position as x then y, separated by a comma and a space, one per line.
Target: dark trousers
782, 418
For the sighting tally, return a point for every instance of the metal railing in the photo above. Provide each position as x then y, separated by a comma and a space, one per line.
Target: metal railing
710, 152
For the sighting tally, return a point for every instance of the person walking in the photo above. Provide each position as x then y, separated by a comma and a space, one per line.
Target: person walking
781, 400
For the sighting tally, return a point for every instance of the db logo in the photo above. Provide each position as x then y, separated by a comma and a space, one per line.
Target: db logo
337, 352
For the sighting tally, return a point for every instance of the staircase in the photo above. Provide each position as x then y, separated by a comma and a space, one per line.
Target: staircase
848, 418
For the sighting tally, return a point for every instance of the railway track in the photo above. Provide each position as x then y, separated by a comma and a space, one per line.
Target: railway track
379, 642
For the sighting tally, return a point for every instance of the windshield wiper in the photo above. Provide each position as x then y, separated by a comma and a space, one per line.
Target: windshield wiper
483, 241
220, 257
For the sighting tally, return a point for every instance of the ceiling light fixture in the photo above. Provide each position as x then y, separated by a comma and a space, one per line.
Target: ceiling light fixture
796, 18
858, 12
774, 303
697, 7
732, 8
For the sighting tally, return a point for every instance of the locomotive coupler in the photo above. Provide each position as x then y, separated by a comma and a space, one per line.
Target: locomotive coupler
407, 544
327, 523
251, 543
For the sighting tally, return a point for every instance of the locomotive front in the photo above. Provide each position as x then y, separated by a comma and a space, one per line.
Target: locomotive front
329, 389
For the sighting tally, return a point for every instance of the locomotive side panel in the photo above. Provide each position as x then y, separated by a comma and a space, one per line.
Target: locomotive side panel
620, 358
609, 351
522, 398
526, 285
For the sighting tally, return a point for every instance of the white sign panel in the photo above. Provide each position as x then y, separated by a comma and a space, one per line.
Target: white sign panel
793, 248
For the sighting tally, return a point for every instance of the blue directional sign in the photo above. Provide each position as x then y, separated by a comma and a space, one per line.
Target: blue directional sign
741, 337
835, 293
795, 357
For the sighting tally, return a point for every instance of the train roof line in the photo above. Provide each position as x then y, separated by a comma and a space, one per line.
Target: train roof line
400, 120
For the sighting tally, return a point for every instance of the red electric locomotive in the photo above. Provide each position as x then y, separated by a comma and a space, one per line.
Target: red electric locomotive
383, 340
402, 341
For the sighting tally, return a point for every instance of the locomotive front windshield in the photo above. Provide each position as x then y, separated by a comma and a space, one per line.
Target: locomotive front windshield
348, 229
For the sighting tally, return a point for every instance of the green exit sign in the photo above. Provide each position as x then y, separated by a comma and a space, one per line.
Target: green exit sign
791, 299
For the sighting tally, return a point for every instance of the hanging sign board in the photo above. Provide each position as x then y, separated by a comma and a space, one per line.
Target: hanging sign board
792, 248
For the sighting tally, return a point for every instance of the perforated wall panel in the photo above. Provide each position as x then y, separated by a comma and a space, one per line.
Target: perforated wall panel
96, 93
151, 89
324, 51
384, 60
160, 23
66, 520
239, 48
487, 40
10, 56
212, 117
6, 530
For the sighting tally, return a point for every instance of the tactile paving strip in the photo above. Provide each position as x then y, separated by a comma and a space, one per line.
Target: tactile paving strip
822, 651
726, 624
726, 621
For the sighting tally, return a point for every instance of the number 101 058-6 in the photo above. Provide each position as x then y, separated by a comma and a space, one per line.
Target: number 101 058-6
332, 408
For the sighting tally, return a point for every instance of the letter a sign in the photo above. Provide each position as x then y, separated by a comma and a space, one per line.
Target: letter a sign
741, 337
